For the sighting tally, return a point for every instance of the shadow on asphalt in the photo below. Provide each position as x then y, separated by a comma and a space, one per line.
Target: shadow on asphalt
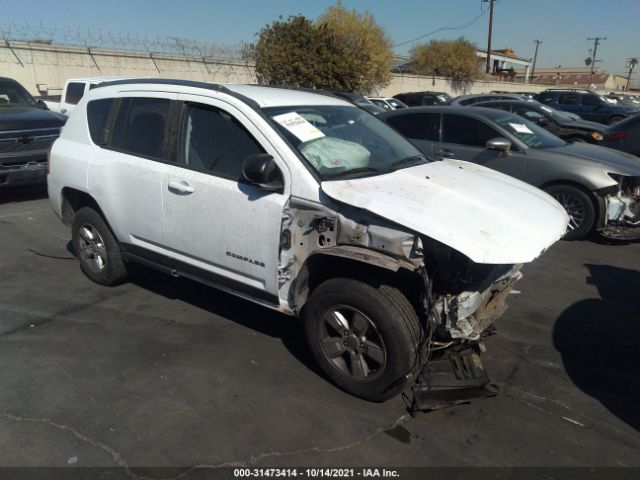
22, 194
599, 340
261, 319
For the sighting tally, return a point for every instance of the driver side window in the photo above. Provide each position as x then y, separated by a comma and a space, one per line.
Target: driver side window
213, 141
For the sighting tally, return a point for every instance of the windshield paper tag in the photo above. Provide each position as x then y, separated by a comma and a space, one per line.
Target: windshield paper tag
300, 127
520, 128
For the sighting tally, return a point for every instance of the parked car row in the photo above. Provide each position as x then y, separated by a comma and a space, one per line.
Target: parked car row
387, 233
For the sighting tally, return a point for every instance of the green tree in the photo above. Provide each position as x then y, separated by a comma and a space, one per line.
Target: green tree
455, 59
365, 58
343, 50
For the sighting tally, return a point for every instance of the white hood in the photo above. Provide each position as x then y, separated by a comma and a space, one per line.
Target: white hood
486, 215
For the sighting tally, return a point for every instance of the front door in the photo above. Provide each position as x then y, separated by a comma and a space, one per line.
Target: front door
219, 227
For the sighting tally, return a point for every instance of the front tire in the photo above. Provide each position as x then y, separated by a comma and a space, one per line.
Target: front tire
97, 249
613, 120
579, 206
364, 338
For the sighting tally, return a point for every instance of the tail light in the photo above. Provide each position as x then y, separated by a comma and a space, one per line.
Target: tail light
615, 136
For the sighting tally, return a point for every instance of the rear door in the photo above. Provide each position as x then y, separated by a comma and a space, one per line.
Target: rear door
423, 129
126, 174
465, 138
569, 102
218, 227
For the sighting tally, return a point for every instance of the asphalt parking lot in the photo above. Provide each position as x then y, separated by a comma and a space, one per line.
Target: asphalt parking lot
166, 372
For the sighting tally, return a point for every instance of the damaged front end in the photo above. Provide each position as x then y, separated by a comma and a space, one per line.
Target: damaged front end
466, 299
457, 299
621, 207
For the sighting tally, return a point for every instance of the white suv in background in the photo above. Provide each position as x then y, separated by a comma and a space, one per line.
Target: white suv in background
305, 204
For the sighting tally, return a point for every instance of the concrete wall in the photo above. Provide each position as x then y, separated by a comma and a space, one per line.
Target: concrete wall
49, 66
415, 83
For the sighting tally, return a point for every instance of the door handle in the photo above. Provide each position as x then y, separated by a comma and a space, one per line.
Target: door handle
444, 153
180, 186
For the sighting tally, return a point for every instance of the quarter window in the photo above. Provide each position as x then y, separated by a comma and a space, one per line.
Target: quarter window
419, 126
97, 115
140, 126
74, 93
211, 140
467, 131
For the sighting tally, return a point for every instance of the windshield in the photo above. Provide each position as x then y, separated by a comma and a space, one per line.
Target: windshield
343, 141
12, 94
529, 133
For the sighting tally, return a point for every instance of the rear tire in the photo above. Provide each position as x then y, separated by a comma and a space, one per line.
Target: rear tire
614, 119
364, 338
580, 208
97, 249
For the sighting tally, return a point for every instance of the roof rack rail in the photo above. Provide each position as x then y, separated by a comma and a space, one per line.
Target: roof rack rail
561, 89
183, 83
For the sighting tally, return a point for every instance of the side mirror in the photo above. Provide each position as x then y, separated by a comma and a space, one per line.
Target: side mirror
500, 144
42, 105
260, 169
543, 121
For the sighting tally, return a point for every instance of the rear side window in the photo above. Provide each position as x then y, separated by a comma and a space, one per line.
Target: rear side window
213, 141
140, 127
74, 93
97, 115
568, 99
467, 131
419, 126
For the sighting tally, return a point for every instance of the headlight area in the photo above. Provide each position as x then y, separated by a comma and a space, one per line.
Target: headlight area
467, 315
622, 208
597, 136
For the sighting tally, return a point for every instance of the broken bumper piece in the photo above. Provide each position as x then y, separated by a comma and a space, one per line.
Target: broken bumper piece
467, 315
455, 377
622, 219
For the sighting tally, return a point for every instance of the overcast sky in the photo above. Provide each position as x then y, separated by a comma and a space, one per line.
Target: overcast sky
562, 25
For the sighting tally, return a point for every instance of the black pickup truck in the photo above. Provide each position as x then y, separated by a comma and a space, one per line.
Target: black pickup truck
27, 130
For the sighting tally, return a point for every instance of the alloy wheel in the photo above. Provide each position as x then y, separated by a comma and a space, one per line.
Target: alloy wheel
352, 343
574, 207
92, 249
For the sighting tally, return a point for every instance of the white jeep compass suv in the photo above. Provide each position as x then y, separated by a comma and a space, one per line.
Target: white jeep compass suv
306, 204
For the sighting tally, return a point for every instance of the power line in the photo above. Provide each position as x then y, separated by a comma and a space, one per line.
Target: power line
465, 25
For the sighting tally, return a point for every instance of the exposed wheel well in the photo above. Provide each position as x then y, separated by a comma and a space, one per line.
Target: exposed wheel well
595, 200
319, 268
72, 201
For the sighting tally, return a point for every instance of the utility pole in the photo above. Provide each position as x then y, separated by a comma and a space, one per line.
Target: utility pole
535, 56
631, 64
596, 42
490, 29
